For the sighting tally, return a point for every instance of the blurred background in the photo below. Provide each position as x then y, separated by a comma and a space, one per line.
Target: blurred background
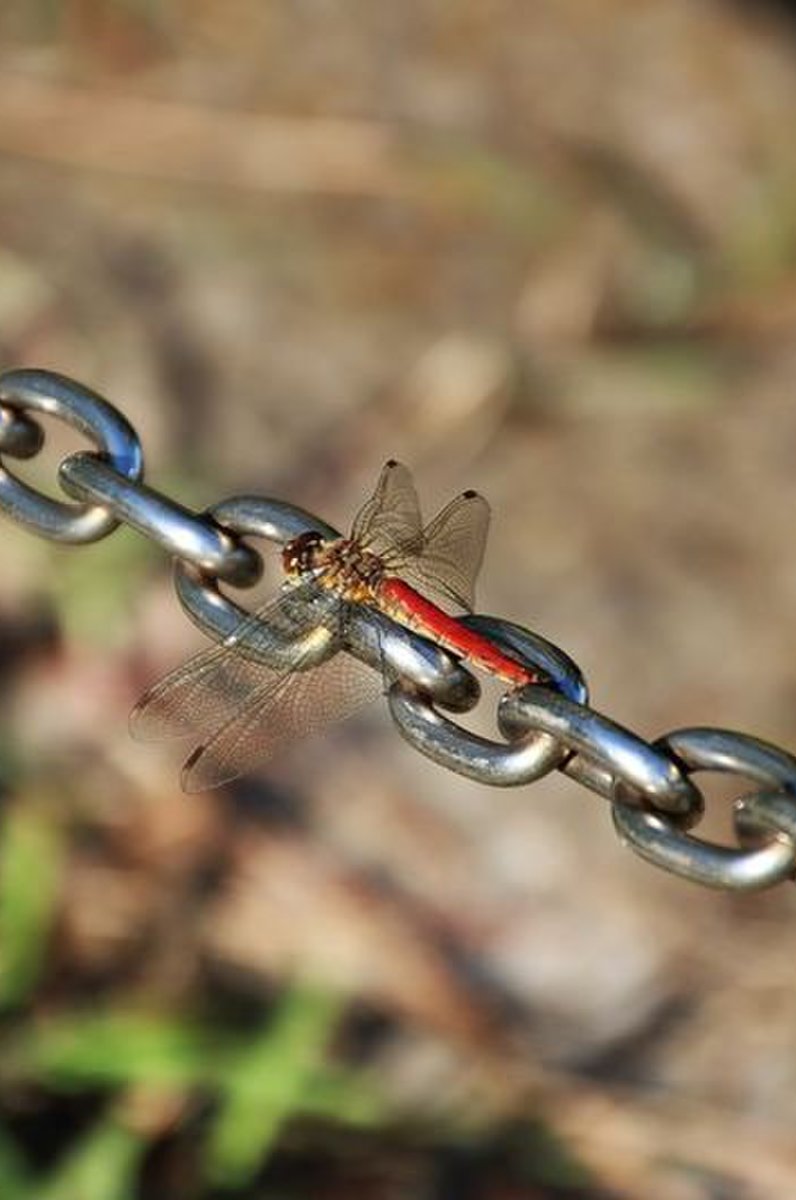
546, 251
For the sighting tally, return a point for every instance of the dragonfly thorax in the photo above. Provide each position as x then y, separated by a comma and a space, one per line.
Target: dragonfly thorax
351, 570
341, 565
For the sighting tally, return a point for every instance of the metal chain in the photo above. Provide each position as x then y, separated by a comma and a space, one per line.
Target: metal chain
649, 785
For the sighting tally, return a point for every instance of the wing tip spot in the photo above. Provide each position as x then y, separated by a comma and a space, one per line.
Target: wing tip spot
135, 722
189, 784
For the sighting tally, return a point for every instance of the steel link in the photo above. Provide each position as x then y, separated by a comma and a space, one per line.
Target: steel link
657, 841
19, 436
179, 531
45, 392
698, 749
400, 654
483, 759
478, 758
199, 593
546, 725
547, 658
763, 813
609, 758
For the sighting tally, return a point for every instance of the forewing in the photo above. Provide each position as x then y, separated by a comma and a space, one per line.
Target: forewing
280, 710
214, 685
390, 520
452, 552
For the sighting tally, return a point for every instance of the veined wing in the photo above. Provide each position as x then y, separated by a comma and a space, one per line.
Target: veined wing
390, 520
452, 552
213, 686
442, 560
281, 709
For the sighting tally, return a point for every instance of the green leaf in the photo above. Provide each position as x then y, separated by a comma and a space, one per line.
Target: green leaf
30, 861
15, 1180
103, 1166
267, 1082
109, 1050
346, 1097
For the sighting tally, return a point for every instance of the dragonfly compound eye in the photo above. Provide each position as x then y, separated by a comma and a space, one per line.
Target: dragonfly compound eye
298, 555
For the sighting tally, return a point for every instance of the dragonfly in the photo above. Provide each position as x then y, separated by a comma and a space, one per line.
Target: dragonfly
245, 711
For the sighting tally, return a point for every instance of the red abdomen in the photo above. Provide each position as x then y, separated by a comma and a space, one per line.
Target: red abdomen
408, 607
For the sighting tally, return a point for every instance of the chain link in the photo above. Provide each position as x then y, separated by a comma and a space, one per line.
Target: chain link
655, 802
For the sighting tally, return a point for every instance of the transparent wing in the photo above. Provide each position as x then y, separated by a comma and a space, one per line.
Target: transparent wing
390, 520
283, 708
442, 560
210, 688
451, 553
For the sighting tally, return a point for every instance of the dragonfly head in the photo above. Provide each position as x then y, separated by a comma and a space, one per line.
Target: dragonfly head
300, 556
